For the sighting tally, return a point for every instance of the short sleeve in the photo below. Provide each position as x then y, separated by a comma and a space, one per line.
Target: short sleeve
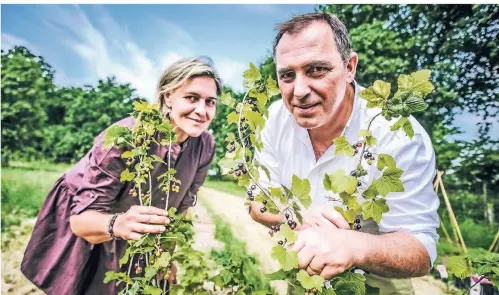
100, 185
415, 209
207, 155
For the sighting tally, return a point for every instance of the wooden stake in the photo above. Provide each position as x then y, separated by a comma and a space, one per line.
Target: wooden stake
446, 233
494, 242
451, 212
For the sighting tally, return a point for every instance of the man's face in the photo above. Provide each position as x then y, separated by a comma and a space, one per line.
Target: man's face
311, 75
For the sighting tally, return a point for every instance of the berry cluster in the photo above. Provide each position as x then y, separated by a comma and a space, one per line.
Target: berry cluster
274, 229
250, 193
312, 291
356, 147
239, 171
356, 224
231, 147
369, 157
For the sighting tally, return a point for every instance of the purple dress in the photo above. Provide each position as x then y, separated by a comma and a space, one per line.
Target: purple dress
57, 261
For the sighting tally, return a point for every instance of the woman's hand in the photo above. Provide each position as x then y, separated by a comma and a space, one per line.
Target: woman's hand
139, 220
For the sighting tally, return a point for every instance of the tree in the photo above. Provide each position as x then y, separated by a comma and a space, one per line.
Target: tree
27, 85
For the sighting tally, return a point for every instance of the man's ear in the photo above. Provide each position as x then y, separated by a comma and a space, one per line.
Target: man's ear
352, 67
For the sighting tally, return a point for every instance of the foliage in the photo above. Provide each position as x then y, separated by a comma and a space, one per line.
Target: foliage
249, 117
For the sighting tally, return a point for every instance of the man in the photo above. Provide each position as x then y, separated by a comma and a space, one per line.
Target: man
316, 75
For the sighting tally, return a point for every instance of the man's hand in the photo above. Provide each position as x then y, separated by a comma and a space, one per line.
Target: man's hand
327, 250
324, 215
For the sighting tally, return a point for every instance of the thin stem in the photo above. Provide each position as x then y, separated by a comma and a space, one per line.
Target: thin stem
244, 153
169, 175
129, 270
364, 145
150, 187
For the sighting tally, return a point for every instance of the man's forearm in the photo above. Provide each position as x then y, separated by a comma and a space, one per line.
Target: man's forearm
392, 255
266, 218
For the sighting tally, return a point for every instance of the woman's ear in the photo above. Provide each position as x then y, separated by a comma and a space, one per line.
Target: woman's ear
167, 99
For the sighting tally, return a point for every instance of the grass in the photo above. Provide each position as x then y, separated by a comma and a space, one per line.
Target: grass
229, 187
24, 189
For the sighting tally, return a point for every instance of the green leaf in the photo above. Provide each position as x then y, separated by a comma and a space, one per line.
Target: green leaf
227, 99
309, 282
459, 267
369, 139
127, 155
376, 94
158, 159
272, 88
374, 209
124, 259
226, 164
164, 259
405, 124
296, 209
141, 106
371, 192
151, 290
385, 160
327, 182
126, 175
340, 182
349, 215
255, 119
277, 276
301, 189
349, 283
150, 271
287, 259
252, 75
112, 134
287, 233
350, 201
329, 291
390, 181
421, 83
277, 193
342, 147
233, 117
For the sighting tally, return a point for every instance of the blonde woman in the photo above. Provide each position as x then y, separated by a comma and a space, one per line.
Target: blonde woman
73, 244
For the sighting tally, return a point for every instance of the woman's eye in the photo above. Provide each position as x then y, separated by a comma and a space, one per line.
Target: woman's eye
191, 98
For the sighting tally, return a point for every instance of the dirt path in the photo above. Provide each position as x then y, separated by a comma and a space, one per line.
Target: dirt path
258, 242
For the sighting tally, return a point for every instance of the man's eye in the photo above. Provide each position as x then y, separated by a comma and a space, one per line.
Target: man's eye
318, 71
211, 102
287, 76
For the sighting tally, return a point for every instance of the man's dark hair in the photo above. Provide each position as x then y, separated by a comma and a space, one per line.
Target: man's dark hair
299, 22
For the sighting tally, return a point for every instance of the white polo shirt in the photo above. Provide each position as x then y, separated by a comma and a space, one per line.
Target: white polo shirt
288, 150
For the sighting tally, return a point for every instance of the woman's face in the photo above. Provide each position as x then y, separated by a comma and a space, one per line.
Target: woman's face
193, 106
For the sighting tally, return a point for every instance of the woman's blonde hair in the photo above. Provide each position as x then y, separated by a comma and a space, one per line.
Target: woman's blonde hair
179, 72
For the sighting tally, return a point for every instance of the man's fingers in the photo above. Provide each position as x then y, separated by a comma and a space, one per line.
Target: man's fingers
133, 236
335, 217
151, 210
330, 271
305, 256
147, 228
154, 219
316, 265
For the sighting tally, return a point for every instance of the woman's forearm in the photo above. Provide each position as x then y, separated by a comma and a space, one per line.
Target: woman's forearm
92, 226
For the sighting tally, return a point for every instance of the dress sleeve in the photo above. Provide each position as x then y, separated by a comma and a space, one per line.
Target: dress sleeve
100, 185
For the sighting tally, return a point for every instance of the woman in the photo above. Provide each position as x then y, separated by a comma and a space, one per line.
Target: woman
76, 240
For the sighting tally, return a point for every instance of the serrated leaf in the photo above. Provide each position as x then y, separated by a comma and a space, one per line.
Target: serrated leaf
376, 94
244, 180
233, 117
421, 83
226, 164
349, 215
227, 99
127, 155
301, 189
150, 271
230, 137
371, 192
389, 181
158, 159
277, 193
385, 160
459, 267
414, 104
340, 182
326, 182
369, 139
296, 209
349, 283
405, 124
309, 282
165, 257
329, 291
272, 88
151, 290
287, 233
112, 134
364, 133
350, 201
287, 259
374, 209
141, 106
251, 75
255, 119
277, 276
342, 147
126, 175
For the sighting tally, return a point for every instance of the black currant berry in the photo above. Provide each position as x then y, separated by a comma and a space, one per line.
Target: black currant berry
286, 215
245, 171
357, 220
253, 187
290, 222
358, 183
240, 165
264, 202
358, 227
280, 243
263, 209
314, 291
369, 155
251, 198
359, 144
238, 173
250, 193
